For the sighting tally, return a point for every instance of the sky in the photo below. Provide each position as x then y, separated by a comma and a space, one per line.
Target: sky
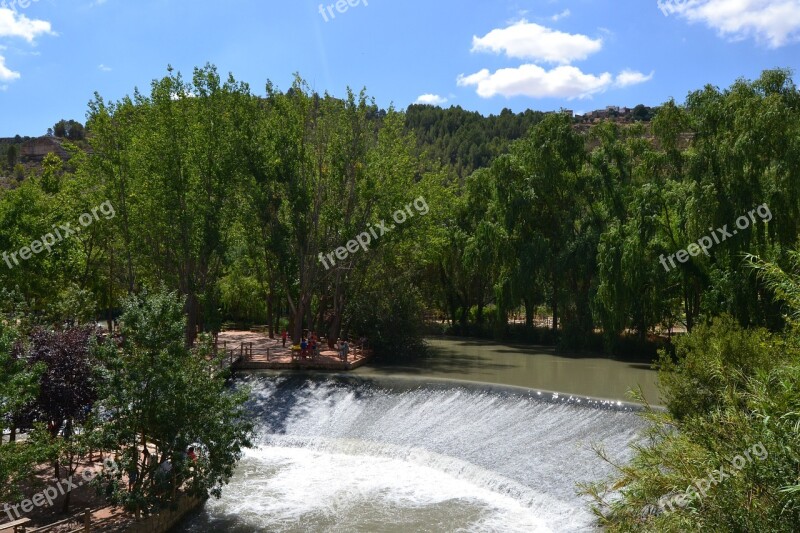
481, 55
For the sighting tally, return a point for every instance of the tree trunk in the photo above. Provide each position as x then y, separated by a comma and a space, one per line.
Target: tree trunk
192, 318
296, 319
68, 495
309, 317
271, 313
320, 320
335, 329
528, 313
110, 315
555, 305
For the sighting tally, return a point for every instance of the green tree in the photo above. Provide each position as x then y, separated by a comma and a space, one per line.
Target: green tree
69, 129
164, 398
18, 387
549, 160
175, 185
11, 156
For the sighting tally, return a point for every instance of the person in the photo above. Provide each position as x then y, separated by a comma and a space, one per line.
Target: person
313, 345
164, 471
192, 454
283, 336
304, 347
163, 475
345, 349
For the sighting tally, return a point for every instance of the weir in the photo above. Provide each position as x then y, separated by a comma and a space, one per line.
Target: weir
382, 455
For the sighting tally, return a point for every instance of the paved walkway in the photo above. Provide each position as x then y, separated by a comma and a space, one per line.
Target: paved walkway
266, 351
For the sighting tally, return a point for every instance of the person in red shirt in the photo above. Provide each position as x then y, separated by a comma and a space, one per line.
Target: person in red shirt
313, 345
283, 336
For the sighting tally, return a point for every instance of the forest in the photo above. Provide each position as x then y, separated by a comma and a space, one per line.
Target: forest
229, 198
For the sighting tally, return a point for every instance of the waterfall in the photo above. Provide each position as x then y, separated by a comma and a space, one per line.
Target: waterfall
383, 455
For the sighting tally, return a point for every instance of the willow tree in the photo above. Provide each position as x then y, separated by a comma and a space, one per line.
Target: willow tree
630, 288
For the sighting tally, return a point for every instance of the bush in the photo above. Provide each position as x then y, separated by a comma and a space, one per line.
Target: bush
712, 367
728, 390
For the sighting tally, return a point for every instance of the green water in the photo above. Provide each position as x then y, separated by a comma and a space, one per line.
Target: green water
535, 367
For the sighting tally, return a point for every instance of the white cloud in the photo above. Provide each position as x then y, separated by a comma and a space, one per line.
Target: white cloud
17, 25
775, 22
528, 40
626, 78
6, 74
558, 16
431, 99
535, 82
103, 68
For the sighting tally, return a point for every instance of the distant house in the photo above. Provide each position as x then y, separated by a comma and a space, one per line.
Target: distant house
35, 150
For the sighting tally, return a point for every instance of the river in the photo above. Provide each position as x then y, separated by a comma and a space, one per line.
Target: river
537, 367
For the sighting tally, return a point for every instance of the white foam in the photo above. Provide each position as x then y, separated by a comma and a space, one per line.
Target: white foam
282, 488
334, 457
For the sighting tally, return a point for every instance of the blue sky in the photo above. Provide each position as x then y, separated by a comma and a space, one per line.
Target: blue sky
481, 55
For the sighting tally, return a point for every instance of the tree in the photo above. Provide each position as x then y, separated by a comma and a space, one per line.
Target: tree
163, 397
549, 161
18, 387
52, 173
641, 112
11, 156
19, 172
67, 392
69, 129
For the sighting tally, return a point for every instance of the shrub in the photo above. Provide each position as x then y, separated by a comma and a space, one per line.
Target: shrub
729, 390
